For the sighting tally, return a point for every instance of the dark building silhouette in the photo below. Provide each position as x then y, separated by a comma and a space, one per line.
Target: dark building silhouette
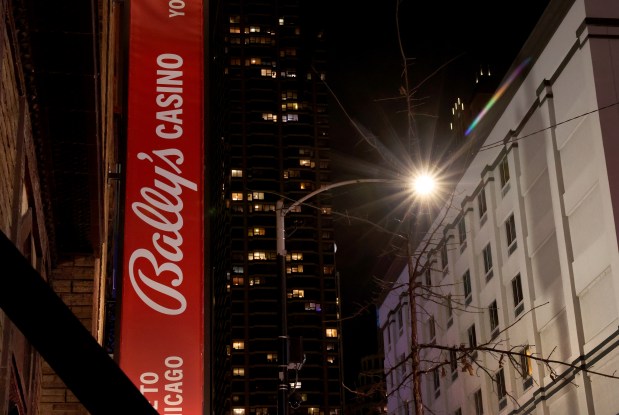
270, 140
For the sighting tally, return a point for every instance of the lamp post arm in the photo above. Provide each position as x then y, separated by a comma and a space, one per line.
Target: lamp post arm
326, 187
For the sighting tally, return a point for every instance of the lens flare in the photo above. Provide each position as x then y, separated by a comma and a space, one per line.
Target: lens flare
497, 95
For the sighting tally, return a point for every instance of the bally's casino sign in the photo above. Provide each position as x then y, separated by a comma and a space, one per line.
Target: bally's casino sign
161, 322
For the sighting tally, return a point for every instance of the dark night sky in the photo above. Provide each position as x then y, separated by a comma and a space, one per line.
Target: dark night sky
364, 70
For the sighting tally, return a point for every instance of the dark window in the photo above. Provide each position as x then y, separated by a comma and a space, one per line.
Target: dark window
504, 172
510, 232
462, 231
444, 261
494, 319
487, 254
518, 297
472, 334
479, 404
481, 203
466, 280
500, 387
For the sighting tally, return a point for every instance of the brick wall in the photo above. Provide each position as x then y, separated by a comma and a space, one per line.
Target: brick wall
72, 279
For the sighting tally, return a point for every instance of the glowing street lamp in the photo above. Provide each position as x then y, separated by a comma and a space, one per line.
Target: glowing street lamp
423, 185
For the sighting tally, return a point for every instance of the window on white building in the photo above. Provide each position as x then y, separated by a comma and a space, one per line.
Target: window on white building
493, 312
468, 291
462, 233
518, 296
500, 389
504, 175
482, 206
453, 364
479, 403
444, 259
487, 255
526, 367
510, 234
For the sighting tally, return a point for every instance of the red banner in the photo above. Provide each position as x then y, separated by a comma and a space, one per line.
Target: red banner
161, 324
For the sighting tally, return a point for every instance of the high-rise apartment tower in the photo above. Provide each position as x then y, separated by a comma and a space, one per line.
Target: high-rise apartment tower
270, 140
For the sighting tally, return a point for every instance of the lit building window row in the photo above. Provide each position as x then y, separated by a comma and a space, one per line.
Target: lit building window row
261, 256
312, 306
296, 293
294, 269
294, 256
262, 207
256, 231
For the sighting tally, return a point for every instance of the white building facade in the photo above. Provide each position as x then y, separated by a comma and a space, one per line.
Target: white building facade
527, 260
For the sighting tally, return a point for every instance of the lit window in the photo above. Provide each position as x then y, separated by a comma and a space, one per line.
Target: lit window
268, 73
237, 269
238, 345
238, 371
269, 117
294, 269
254, 29
294, 256
330, 346
256, 280
306, 186
290, 117
235, 29
311, 306
281, 21
331, 359
526, 367
235, 19
288, 95
237, 173
328, 269
331, 332
238, 411
237, 196
256, 232
326, 210
236, 280
296, 294
271, 357
258, 195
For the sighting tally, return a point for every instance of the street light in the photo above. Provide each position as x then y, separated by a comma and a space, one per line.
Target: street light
424, 184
